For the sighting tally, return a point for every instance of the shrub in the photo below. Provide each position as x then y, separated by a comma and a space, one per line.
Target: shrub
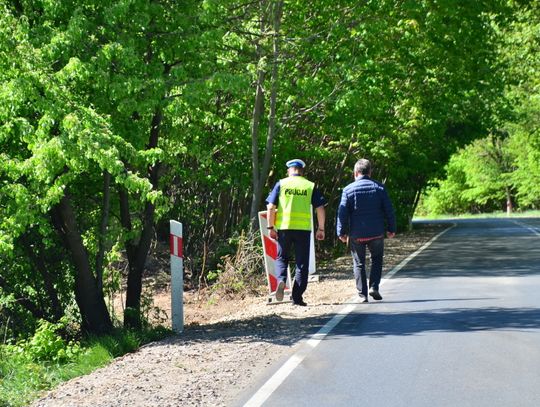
47, 345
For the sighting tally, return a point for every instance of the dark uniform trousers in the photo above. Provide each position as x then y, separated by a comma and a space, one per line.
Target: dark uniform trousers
300, 239
358, 251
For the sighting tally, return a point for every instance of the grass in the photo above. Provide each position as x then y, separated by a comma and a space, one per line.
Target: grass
526, 214
23, 380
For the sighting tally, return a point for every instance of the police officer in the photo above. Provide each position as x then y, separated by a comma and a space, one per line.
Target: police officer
291, 225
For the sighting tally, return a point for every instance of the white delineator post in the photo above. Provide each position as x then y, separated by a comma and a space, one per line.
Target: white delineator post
312, 265
177, 276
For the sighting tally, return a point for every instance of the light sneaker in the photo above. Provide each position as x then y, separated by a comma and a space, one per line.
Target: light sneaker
375, 294
280, 290
363, 298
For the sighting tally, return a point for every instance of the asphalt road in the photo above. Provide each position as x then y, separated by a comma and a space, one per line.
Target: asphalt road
459, 325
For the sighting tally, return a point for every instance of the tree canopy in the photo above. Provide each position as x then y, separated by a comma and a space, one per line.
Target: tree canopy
500, 170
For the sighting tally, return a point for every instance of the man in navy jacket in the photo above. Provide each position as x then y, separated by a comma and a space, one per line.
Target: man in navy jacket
364, 214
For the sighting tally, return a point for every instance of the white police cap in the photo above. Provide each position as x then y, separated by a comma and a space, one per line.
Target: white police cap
295, 163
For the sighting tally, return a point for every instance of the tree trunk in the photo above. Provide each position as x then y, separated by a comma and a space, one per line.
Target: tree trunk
415, 205
103, 229
337, 180
509, 204
260, 176
94, 313
137, 253
255, 125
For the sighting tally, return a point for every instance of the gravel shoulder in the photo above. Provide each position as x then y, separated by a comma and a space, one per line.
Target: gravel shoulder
225, 346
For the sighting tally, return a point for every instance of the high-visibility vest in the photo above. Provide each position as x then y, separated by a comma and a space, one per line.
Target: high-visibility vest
294, 205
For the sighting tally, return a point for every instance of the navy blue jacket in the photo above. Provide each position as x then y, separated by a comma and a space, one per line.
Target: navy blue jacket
363, 209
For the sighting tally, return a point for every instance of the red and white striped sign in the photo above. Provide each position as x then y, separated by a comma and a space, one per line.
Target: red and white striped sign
175, 243
270, 250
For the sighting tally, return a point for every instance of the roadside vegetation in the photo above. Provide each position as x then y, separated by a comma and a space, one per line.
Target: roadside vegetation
49, 357
500, 214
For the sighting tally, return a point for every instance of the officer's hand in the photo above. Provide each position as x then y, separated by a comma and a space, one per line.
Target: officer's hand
344, 238
273, 234
320, 234
390, 235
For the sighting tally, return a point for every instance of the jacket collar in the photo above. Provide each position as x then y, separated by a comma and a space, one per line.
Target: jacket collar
362, 177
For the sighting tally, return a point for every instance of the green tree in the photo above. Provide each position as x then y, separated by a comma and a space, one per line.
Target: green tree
503, 166
39, 161
478, 179
522, 51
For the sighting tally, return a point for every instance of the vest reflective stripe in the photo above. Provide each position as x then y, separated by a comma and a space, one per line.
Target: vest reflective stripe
294, 207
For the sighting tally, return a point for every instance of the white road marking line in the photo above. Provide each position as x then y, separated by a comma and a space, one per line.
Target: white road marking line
527, 227
284, 371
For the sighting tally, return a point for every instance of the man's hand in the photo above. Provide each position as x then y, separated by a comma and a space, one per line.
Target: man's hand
273, 234
320, 234
390, 235
344, 238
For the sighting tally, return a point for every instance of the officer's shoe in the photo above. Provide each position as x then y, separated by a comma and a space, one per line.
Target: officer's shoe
300, 303
375, 294
280, 290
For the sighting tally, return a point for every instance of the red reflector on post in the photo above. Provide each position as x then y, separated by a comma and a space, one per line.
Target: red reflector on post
175, 243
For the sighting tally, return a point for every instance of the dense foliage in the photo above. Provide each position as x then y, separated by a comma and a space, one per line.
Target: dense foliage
115, 118
501, 171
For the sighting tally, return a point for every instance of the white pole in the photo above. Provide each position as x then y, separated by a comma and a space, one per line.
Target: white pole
177, 276
312, 266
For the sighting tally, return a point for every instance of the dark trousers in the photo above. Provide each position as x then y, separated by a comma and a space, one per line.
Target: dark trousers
300, 239
358, 251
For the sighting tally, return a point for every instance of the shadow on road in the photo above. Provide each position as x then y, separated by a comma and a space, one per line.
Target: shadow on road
469, 257
442, 320
437, 300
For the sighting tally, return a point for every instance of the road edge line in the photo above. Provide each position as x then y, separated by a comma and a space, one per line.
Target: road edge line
529, 228
286, 369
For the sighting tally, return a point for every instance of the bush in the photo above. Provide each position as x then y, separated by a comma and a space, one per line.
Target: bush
46, 359
47, 345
